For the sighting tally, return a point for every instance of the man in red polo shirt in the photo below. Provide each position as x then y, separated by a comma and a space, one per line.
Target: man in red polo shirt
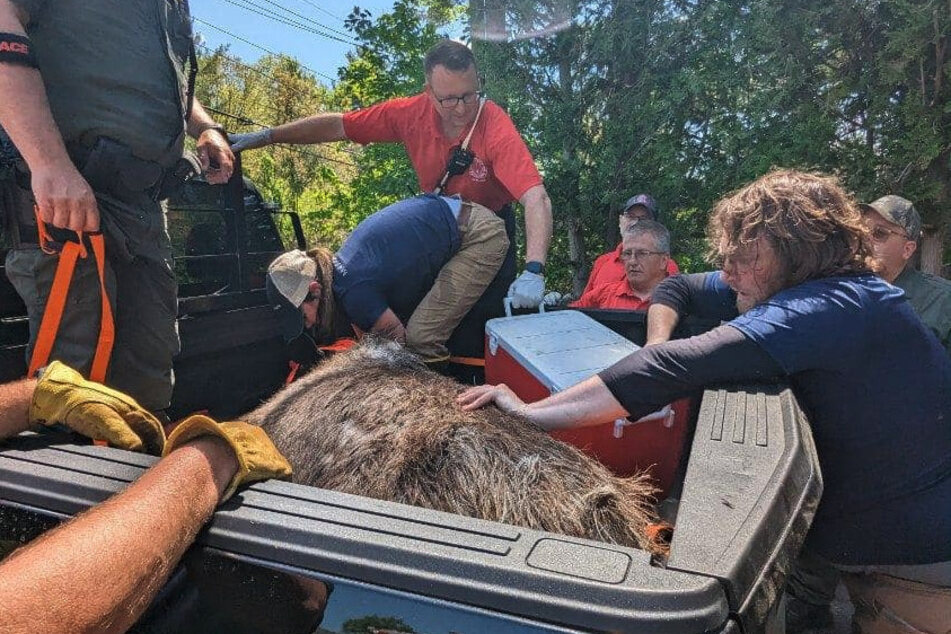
608, 268
449, 112
645, 253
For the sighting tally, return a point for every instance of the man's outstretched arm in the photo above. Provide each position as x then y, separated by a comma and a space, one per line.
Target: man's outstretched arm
640, 383
100, 571
538, 223
320, 128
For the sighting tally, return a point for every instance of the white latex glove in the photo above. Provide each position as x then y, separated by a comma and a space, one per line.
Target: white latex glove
251, 140
527, 290
553, 298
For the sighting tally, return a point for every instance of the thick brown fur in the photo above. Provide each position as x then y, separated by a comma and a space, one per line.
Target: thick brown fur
375, 422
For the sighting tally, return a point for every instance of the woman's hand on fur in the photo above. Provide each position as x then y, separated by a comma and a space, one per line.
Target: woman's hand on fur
482, 395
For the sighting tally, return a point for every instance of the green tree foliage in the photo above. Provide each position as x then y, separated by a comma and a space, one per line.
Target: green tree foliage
690, 100
684, 99
274, 90
366, 624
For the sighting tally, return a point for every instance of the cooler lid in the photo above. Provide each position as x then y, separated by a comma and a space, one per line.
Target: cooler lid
560, 348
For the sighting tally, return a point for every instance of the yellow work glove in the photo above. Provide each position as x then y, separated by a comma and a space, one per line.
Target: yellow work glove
258, 458
62, 395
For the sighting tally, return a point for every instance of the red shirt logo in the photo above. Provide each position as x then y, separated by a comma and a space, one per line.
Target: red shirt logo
478, 171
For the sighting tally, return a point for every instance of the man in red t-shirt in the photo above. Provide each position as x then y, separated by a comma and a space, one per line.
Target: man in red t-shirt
430, 125
645, 253
608, 268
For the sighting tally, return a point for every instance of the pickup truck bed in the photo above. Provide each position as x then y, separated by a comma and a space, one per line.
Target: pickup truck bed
751, 488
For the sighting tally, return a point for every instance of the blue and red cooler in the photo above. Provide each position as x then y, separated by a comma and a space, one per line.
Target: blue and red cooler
540, 354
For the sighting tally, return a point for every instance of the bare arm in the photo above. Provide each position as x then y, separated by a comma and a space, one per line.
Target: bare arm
100, 571
389, 325
704, 295
641, 382
661, 322
587, 403
538, 223
320, 128
214, 151
15, 407
64, 198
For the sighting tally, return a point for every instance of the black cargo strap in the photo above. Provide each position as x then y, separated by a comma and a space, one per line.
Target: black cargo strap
192, 76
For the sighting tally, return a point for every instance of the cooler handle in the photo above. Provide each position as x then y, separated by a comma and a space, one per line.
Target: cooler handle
507, 303
665, 414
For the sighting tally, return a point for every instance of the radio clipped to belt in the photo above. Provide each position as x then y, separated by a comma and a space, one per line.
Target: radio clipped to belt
69, 252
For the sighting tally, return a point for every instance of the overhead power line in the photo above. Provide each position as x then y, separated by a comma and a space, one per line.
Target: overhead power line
259, 47
270, 106
257, 9
322, 10
310, 20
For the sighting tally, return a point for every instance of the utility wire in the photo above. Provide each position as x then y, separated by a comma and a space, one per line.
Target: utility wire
257, 9
271, 78
322, 10
310, 20
258, 46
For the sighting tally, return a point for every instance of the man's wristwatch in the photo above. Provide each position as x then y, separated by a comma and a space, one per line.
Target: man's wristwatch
536, 267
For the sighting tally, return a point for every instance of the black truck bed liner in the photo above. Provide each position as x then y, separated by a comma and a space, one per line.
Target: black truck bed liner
751, 487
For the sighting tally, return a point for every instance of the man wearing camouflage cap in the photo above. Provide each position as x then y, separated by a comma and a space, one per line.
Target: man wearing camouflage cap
896, 229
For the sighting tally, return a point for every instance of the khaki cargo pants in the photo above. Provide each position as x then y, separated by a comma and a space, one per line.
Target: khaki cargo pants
459, 284
140, 283
888, 601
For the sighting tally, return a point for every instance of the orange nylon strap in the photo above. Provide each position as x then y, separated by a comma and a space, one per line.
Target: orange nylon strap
56, 302
107, 328
42, 234
474, 361
294, 366
340, 345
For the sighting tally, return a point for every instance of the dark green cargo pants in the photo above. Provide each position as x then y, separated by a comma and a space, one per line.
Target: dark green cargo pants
140, 282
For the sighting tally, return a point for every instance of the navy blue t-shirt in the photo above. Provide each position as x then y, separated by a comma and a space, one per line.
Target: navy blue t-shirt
876, 387
872, 379
392, 258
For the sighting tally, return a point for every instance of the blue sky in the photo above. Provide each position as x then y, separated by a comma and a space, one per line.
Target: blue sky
320, 53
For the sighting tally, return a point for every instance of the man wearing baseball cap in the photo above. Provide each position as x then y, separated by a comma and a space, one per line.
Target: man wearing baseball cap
896, 228
609, 268
410, 272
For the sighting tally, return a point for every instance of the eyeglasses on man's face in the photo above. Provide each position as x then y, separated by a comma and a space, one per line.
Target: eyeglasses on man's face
452, 101
640, 254
881, 234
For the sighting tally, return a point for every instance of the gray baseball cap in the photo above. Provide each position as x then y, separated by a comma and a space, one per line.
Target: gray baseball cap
644, 200
899, 211
288, 281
